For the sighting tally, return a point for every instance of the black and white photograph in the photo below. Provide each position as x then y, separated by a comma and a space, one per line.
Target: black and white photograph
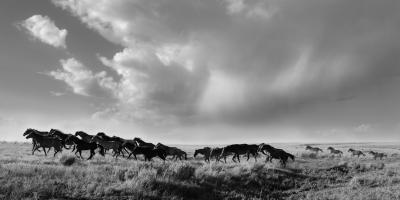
200, 99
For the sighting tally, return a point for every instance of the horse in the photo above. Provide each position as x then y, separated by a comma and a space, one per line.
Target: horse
119, 140
377, 155
206, 152
46, 141
313, 149
130, 146
142, 143
335, 151
35, 145
63, 137
115, 146
240, 149
172, 151
81, 145
148, 153
356, 152
275, 153
178, 153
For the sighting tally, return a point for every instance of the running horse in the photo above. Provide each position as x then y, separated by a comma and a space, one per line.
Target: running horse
335, 151
377, 155
206, 152
240, 149
45, 141
35, 145
313, 149
356, 152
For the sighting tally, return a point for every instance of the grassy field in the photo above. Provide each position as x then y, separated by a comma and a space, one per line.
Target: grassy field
23, 176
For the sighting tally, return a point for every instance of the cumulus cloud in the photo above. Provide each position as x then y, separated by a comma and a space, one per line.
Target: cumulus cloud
81, 79
45, 30
241, 60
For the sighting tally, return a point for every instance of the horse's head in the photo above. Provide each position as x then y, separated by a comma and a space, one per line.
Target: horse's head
29, 135
52, 131
308, 147
330, 148
78, 133
350, 150
101, 134
195, 153
28, 131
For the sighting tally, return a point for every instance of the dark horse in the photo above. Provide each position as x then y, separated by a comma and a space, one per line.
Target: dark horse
81, 145
313, 149
116, 139
206, 152
172, 151
63, 137
148, 153
240, 149
35, 145
275, 153
45, 141
357, 153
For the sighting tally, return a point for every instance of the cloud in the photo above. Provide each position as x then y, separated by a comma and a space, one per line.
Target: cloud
45, 30
241, 61
82, 80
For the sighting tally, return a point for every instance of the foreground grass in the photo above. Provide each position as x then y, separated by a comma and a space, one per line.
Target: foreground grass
23, 176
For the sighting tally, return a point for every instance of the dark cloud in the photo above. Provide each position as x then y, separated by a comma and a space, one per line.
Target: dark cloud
243, 61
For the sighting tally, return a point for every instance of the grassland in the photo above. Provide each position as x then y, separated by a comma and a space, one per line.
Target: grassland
23, 176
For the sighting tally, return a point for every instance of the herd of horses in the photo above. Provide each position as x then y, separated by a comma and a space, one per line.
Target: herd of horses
101, 142
353, 152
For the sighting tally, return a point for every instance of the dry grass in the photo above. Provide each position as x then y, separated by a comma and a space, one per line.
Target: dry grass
23, 176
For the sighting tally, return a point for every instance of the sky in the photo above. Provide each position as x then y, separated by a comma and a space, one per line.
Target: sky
202, 72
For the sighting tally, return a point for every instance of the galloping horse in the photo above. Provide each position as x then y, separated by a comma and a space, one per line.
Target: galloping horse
313, 149
115, 146
148, 153
45, 141
35, 145
335, 151
240, 149
206, 152
63, 137
172, 151
377, 155
356, 152
275, 153
81, 145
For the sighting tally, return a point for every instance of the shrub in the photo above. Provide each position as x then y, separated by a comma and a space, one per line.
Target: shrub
67, 160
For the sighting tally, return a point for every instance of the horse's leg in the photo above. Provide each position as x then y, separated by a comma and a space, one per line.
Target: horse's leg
92, 153
238, 157
248, 156
80, 154
44, 151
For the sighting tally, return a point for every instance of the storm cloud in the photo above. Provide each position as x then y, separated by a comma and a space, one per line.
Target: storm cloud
238, 61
